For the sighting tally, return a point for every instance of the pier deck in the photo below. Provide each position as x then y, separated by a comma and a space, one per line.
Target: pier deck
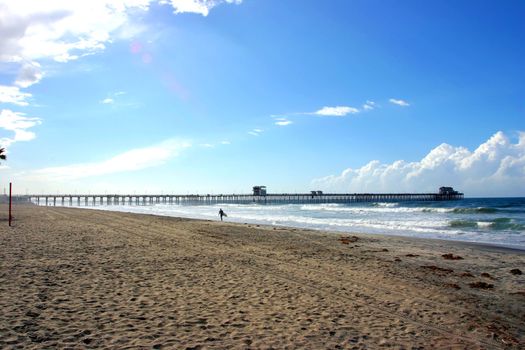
282, 198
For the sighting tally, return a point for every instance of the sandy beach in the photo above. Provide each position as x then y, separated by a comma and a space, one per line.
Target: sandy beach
78, 278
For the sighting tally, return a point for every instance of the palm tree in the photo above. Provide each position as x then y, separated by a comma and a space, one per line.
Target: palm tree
2, 154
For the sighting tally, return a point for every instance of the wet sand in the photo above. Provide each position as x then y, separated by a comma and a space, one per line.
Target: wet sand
77, 278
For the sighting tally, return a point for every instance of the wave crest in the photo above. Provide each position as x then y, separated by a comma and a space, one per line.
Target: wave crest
496, 224
479, 210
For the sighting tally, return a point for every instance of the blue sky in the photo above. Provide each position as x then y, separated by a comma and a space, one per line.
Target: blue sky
188, 96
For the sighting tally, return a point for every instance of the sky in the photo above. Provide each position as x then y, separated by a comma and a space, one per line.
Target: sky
216, 96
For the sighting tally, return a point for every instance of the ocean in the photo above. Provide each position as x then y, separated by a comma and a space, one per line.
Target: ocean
498, 221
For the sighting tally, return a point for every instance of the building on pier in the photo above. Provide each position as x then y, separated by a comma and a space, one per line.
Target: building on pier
447, 191
259, 190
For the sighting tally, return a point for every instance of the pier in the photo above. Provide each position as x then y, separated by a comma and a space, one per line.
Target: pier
209, 199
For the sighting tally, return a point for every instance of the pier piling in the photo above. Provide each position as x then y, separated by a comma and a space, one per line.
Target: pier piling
280, 198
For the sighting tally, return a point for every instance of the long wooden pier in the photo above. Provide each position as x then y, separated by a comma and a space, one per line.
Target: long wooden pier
208, 199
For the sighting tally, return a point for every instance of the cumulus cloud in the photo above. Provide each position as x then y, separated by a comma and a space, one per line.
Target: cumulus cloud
133, 160
17, 123
495, 168
401, 103
107, 101
12, 94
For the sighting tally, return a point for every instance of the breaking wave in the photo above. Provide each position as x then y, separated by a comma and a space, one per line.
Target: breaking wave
480, 210
508, 224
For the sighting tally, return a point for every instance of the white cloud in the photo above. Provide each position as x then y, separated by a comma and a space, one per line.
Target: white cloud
65, 29
59, 29
207, 145
133, 160
225, 142
12, 94
32, 31
326, 111
369, 105
255, 132
130, 30
338, 111
112, 97
202, 7
30, 73
283, 121
17, 123
495, 168
401, 103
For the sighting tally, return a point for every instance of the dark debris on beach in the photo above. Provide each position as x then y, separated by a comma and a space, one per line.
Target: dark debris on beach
348, 239
451, 256
481, 285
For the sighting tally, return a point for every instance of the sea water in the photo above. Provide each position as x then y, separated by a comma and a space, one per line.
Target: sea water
499, 221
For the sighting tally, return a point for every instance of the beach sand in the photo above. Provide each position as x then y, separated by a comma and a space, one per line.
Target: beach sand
78, 278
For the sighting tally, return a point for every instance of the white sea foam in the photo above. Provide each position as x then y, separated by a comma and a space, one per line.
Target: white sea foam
260, 215
432, 220
387, 205
387, 208
483, 224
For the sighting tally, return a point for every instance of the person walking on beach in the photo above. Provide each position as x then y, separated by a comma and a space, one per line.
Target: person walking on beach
222, 213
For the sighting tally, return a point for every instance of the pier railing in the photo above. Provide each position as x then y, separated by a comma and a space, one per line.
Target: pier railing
282, 198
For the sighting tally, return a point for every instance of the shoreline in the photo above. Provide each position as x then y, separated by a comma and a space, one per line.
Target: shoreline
84, 278
480, 245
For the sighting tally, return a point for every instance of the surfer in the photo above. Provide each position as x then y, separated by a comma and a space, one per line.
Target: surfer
222, 213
